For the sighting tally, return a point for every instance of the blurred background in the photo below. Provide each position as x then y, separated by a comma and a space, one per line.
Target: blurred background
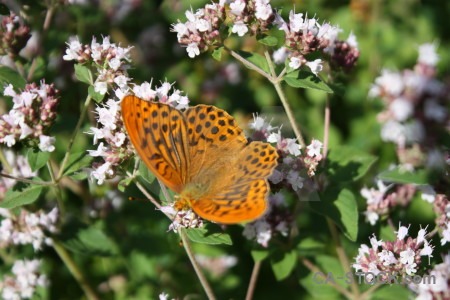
144, 260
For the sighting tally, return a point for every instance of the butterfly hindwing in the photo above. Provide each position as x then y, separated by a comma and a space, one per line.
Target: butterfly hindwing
242, 202
159, 134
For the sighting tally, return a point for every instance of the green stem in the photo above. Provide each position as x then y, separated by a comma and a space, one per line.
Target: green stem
343, 257
27, 180
146, 194
5, 162
75, 271
57, 189
74, 135
369, 292
316, 270
251, 65
253, 278
276, 83
196, 266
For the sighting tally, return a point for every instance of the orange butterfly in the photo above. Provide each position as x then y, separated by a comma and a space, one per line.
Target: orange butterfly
203, 156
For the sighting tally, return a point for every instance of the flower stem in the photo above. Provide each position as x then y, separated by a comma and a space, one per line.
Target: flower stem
196, 266
5, 162
326, 130
316, 270
73, 268
74, 135
144, 191
276, 83
57, 189
369, 292
343, 257
251, 65
27, 180
253, 278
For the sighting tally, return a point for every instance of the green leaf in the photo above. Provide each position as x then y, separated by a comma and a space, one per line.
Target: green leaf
9, 76
21, 194
283, 263
209, 234
392, 292
76, 162
83, 74
98, 97
346, 164
37, 158
307, 80
124, 183
256, 59
267, 40
89, 241
260, 254
310, 247
145, 173
340, 206
217, 53
399, 176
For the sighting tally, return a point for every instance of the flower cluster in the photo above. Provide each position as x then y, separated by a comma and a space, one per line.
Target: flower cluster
24, 282
380, 201
27, 228
181, 218
277, 219
19, 168
32, 115
13, 35
437, 286
201, 30
306, 35
115, 147
416, 111
441, 207
253, 16
400, 257
109, 59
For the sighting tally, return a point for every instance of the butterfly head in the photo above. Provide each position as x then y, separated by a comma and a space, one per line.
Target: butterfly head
189, 195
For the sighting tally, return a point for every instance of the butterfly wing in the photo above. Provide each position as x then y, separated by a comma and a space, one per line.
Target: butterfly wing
235, 172
159, 135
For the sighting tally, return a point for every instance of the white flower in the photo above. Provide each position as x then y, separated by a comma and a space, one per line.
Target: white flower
193, 50
295, 180
144, 91
46, 143
275, 137
428, 193
407, 256
101, 87
9, 140
240, 28
102, 172
446, 234
203, 25
427, 249
121, 81
181, 29
428, 55
118, 139
390, 81
182, 103
374, 242
25, 130
387, 257
237, 7
249, 231
280, 55
402, 232
411, 268
74, 47
263, 232
295, 21
263, 11
163, 90
393, 131
295, 63
292, 147
351, 40
315, 66
402, 109
9, 91
371, 217
101, 151
314, 148
163, 296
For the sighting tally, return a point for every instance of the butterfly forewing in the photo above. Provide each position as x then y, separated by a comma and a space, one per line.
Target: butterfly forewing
159, 135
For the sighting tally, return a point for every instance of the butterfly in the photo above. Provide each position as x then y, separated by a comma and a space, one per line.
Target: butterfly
202, 155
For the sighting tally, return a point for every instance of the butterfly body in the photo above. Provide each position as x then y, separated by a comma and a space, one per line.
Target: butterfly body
203, 156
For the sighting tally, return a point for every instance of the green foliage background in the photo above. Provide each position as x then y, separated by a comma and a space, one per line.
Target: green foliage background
129, 250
